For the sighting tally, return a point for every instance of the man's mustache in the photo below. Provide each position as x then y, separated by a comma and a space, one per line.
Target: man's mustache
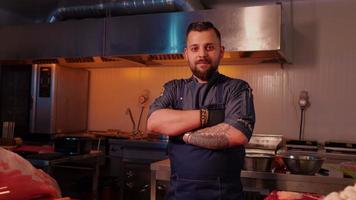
202, 61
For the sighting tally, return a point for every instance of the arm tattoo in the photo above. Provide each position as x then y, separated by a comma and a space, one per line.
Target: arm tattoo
215, 137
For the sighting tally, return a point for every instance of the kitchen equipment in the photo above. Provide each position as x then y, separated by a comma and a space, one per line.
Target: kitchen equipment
73, 145
130, 162
142, 99
164, 42
260, 152
304, 145
59, 99
302, 164
7, 138
45, 156
128, 112
303, 104
258, 162
8, 128
264, 144
340, 146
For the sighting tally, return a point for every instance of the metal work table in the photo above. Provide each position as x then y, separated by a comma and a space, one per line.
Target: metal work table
94, 160
47, 164
264, 182
130, 162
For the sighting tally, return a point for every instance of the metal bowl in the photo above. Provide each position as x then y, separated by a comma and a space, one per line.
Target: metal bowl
258, 162
303, 164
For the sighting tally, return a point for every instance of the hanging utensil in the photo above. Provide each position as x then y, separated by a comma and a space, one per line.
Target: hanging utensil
303, 104
142, 99
128, 112
139, 119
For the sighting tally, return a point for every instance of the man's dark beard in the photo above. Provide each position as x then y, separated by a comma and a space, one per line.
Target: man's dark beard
204, 76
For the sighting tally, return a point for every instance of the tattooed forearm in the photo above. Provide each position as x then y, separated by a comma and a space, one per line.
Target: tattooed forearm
215, 137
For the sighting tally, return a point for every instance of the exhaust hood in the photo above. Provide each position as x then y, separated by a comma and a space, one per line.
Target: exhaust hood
251, 35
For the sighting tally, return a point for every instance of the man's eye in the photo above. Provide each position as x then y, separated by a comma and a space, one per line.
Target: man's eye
210, 47
194, 49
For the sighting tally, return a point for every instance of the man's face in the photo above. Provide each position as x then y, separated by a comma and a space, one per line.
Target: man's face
203, 53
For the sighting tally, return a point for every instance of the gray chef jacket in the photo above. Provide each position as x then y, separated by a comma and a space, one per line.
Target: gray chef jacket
221, 91
188, 94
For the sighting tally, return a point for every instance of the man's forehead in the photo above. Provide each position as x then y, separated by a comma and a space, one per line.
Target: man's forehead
201, 43
202, 37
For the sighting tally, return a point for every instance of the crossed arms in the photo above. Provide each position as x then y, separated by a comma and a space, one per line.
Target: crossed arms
177, 122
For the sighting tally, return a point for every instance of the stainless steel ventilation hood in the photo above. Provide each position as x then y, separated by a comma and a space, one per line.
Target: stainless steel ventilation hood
258, 34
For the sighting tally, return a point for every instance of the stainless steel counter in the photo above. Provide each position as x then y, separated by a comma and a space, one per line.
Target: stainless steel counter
264, 182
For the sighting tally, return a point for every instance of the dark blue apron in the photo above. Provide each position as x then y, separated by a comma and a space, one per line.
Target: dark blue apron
204, 174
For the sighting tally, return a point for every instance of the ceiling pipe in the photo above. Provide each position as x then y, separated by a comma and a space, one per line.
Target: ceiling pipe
122, 7
188, 5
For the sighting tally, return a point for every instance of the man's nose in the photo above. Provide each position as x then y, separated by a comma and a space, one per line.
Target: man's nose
202, 52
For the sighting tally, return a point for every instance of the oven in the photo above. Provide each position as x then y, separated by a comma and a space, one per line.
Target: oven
59, 99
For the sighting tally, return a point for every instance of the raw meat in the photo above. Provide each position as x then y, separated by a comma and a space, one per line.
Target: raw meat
286, 195
19, 180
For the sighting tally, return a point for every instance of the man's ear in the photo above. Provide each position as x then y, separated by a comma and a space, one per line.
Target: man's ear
186, 53
222, 51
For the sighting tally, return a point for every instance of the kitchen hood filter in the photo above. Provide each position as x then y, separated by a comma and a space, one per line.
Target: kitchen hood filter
79, 60
167, 57
45, 61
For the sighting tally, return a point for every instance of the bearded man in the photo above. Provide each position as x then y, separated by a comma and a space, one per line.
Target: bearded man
208, 118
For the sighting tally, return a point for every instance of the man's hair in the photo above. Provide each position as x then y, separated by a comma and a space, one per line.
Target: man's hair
202, 26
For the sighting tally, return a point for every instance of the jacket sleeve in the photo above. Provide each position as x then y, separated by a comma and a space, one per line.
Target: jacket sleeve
239, 109
166, 98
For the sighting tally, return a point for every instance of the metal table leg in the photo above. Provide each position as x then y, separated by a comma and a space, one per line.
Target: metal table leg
153, 185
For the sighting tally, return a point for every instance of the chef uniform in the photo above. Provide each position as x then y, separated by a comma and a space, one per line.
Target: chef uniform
199, 173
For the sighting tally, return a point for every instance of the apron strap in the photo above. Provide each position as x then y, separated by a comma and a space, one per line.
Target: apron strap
179, 100
219, 93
